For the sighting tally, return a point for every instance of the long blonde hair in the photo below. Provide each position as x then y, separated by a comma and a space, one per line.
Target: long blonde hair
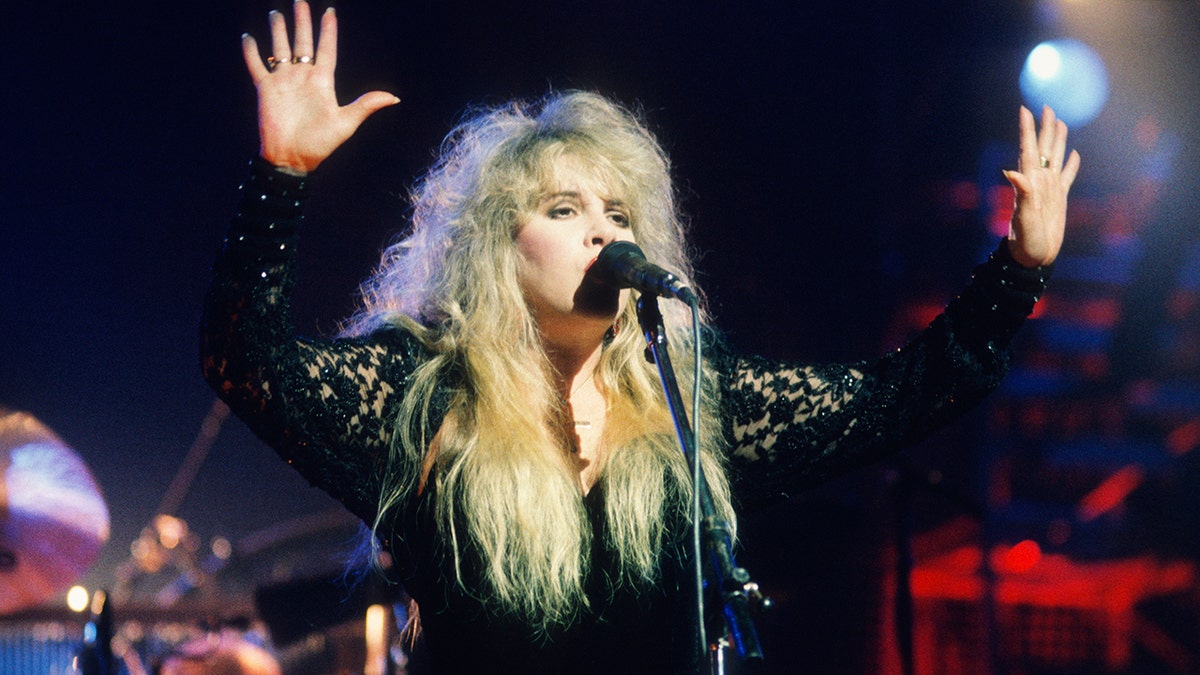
506, 499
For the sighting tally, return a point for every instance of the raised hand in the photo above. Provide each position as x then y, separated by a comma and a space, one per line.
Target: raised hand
299, 120
1042, 180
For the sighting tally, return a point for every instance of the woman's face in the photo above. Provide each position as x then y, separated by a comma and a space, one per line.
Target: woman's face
557, 243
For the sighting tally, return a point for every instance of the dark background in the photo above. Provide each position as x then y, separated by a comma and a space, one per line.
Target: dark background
808, 142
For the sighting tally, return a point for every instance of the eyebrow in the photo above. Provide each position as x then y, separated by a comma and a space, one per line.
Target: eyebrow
574, 194
570, 194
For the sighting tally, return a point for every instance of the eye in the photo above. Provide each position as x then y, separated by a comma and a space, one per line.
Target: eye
561, 211
620, 218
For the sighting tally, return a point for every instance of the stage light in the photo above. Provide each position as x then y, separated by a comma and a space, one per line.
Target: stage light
1110, 493
77, 598
1067, 76
376, 639
171, 530
1017, 559
222, 548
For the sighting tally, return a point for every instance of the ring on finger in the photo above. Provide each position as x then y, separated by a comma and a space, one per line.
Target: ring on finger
273, 63
303, 59
1044, 162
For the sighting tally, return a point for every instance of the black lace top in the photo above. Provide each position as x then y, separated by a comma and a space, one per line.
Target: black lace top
324, 405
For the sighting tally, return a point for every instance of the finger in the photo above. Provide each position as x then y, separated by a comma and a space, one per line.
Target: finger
327, 48
1060, 144
1070, 170
1019, 182
254, 62
1029, 150
368, 104
280, 49
303, 44
1046, 137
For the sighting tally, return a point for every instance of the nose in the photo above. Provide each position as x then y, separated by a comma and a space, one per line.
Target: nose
603, 231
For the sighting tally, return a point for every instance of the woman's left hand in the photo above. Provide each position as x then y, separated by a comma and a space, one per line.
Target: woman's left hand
1043, 179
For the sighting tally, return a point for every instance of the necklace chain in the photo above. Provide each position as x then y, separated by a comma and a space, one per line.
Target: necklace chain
580, 385
582, 423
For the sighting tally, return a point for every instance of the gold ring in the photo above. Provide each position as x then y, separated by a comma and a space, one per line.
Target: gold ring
303, 59
273, 63
1044, 162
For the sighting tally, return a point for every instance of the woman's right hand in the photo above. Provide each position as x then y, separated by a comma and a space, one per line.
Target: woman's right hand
299, 120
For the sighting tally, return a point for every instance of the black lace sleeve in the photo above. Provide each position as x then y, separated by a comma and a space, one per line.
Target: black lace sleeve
791, 426
322, 404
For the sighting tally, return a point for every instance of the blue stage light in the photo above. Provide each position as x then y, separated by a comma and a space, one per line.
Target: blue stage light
1069, 77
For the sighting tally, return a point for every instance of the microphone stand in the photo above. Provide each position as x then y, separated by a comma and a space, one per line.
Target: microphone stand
722, 577
95, 657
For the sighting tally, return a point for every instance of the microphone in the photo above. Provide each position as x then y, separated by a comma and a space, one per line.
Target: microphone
622, 264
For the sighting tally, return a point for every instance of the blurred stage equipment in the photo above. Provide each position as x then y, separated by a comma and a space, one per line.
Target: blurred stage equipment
166, 541
53, 519
1052, 613
96, 655
224, 653
331, 625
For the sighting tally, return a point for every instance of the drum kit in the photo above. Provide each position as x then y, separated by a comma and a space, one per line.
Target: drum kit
54, 522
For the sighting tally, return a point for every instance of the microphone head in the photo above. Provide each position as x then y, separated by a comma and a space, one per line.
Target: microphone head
621, 264
619, 250
615, 256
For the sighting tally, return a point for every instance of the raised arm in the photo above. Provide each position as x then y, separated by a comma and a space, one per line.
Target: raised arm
795, 425
320, 403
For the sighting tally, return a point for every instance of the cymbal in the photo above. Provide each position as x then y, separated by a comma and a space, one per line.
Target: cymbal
53, 519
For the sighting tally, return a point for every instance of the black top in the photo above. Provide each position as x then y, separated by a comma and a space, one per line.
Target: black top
326, 406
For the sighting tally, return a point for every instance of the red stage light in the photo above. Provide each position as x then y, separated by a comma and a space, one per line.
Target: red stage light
1021, 558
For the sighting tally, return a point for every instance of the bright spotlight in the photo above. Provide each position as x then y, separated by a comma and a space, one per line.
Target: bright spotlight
1044, 62
77, 598
1067, 76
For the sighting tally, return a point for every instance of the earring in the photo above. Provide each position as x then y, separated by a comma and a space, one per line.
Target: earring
612, 332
